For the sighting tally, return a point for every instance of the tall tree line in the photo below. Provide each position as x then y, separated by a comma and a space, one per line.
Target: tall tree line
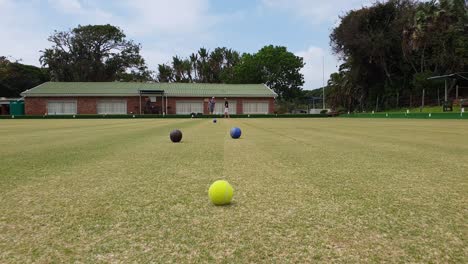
203, 66
273, 66
391, 48
16, 77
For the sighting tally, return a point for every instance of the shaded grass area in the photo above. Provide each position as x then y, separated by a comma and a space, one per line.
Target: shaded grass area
426, 109
432, 116
317, 190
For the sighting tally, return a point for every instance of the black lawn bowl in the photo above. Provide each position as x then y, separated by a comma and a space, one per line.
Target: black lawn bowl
176, 136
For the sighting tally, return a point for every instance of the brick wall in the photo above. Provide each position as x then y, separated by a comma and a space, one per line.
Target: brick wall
35, 106
4, 110
88, 105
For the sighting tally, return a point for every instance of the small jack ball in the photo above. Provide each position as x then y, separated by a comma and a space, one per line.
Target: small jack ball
214, 120
176, 136
236, 132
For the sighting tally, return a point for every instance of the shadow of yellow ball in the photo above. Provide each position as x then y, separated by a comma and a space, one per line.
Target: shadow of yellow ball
221, 192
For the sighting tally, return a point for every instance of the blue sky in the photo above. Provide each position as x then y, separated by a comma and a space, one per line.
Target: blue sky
180, 27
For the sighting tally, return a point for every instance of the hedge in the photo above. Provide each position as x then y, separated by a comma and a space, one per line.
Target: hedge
159, 116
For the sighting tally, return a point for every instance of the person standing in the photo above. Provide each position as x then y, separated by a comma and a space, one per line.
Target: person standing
226, 108
211, 105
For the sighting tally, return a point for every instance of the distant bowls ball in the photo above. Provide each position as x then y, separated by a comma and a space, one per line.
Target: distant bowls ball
175, 136
236, 132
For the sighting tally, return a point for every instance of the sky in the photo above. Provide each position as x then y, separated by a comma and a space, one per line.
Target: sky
180, 27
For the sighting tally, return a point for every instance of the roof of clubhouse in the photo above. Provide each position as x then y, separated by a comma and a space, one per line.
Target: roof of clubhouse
70, 89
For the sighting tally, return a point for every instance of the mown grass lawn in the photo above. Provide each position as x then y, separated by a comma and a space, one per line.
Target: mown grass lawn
306, 190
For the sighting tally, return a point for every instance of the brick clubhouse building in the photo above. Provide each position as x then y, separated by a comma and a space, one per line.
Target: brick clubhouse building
69, 98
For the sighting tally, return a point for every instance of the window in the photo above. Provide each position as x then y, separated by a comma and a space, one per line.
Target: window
118, 107
186, 107
255, 107
61, 108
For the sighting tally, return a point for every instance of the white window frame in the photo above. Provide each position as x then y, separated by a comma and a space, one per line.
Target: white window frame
248, 110
200, 110
110, 109
61, 110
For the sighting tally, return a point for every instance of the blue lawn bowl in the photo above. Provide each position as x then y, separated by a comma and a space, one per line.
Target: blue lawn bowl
214, 121
236, 132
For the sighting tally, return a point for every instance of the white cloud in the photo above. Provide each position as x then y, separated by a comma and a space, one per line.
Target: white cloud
68, 6
315, 11
164, 28
175, 17
313, 70
168, 28
142, 17
27, 30
78, 10
22, 37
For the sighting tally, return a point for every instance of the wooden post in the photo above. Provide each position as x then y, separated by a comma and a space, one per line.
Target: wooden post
398, 99
323, 81
162, 103
377, 104
438, 97
422, 100
457, 92
446, 91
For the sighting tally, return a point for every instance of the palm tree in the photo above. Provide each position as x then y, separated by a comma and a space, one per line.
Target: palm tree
193, 62
232, 58
202, 65
216, 62
187, 71
178, 67
165, 73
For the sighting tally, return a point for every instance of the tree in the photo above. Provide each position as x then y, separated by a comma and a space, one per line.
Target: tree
15, 77
94, 53
274, 66
193, 62
204, 66
392, 47
369, 41
136, 76
165, 73
179, 69
231, 59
